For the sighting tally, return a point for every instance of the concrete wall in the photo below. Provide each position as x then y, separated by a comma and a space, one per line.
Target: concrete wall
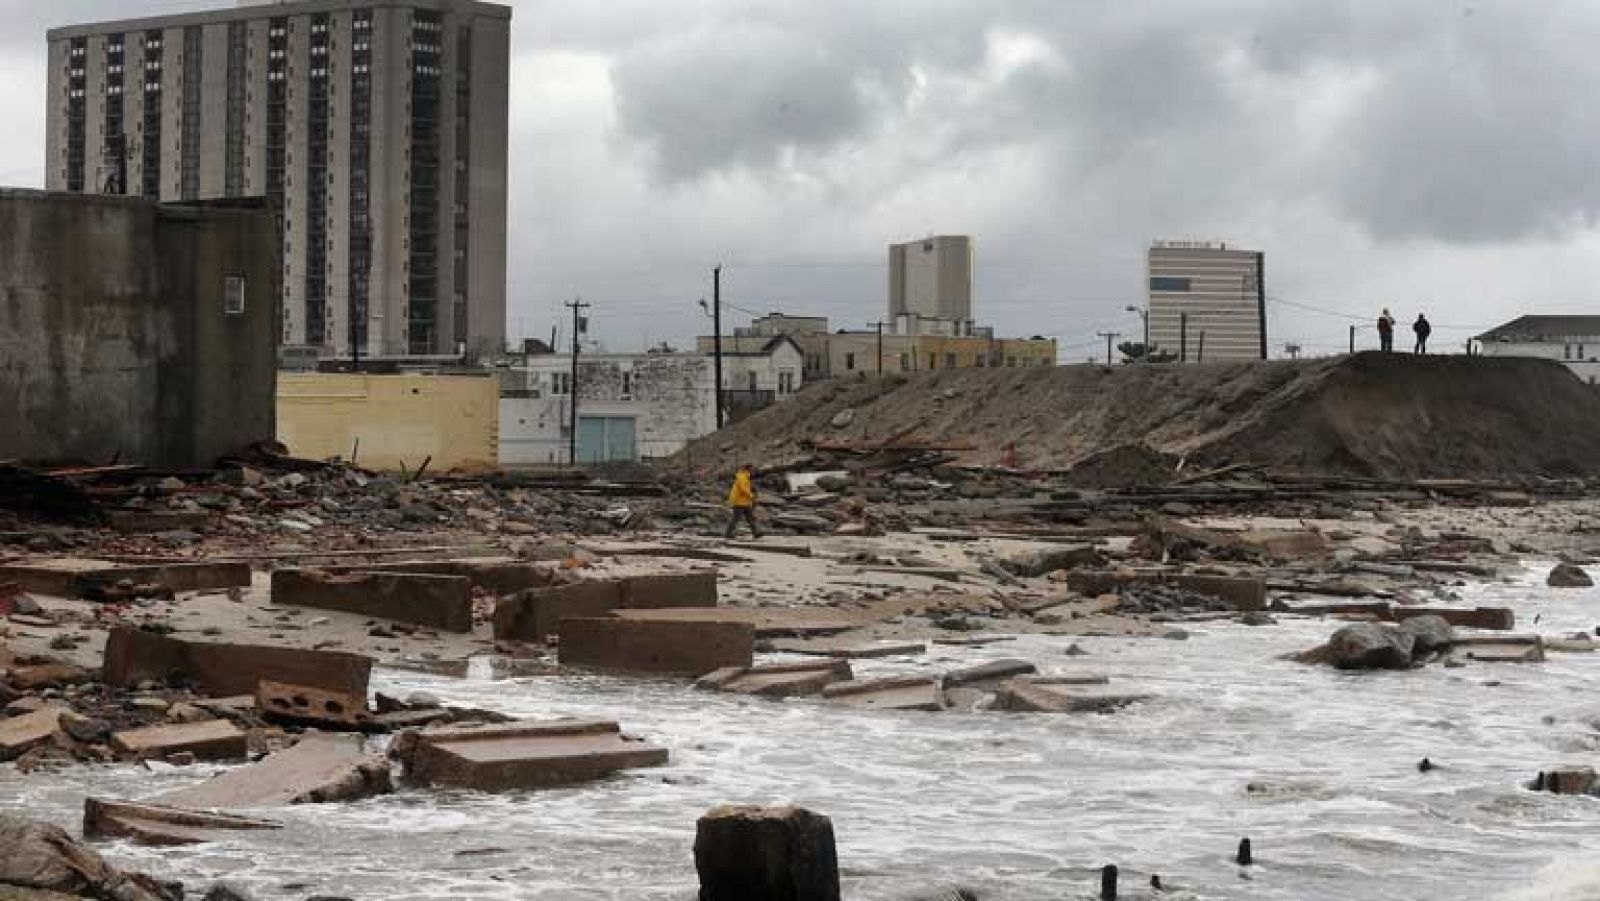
399, 420
114, 341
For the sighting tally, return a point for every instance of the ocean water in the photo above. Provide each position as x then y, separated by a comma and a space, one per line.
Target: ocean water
1318, 768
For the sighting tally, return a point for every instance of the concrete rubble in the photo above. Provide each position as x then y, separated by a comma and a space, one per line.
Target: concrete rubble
440, 602
667, 648
778, 680
520, 755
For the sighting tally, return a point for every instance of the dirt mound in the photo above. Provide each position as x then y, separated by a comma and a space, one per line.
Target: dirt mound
1125, 466
1377, 415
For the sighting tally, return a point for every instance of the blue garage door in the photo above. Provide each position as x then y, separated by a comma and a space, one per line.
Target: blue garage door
606, 439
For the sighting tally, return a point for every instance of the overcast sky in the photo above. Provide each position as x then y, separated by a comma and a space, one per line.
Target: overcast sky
1423, 155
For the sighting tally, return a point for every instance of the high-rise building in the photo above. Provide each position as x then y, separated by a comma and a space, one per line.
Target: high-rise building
1207, 301
931, 279
378, 128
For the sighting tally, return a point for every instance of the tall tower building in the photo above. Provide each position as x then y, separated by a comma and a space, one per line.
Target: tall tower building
378, 127
931, 279
1207, 301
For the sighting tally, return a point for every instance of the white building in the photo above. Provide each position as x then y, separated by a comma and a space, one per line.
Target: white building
930, 286
633, 406
1574, 340
1207, 301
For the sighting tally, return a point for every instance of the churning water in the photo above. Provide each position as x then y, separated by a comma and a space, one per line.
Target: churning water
1318, 768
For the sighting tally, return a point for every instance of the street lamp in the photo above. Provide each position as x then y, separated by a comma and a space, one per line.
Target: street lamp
1145, 315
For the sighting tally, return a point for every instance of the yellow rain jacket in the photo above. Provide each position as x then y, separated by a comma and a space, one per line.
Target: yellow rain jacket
742, 494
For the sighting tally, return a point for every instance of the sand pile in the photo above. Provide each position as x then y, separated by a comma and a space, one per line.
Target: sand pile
1387, 416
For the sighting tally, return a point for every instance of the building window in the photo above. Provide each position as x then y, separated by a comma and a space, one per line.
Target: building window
233, 295
752, 382
1566, 351
949, 361
905, 363
627, 385
785, 381
933, 361
850, 362
560, 383
1168, 283
189, 176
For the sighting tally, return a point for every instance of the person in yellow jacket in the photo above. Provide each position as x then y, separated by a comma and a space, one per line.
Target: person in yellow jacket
742, 500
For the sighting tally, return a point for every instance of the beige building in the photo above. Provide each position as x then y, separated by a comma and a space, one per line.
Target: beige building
931, 279
843, 353
392, 422
379, 128
1207, 301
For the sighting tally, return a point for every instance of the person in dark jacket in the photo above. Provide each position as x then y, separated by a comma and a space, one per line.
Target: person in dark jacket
1386, 331
1423, 330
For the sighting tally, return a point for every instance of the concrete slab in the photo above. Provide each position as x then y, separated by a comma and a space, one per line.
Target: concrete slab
779, 680
1241, 593
905, 693
1493, 618
76, 577
222, 670
500, 575
670, 648
1021, 696
155, 824
439, 602
768, 622
322, 767
856, 651
511, 756
992, 671
210, 740
20, 734
536, 614
1505, 653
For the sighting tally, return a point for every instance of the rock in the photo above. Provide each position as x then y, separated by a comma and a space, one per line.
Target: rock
41, 856
1366, 646
86, 729
1257, 618
1568, 575
775, 854
421, 700
223, 891
170, 485
843, 419
1430, 634
188, 713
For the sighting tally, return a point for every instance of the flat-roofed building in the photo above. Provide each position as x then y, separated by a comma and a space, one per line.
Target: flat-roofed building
1207, 301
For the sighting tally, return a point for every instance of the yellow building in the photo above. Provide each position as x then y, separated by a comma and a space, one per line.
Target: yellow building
392, 422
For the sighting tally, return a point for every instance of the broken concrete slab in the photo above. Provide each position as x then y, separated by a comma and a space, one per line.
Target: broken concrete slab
1492, 618
210, 740
1505, 653
222, 670
509, 756
307, 706
857, 651
1239, 592
44, 862
500, 575
642, 646
20, 734
439, 602
1024, 696
157, 824
76, 577
779, 680
1571, 780
536, 614
992, 671
1044, 561
901, 693
320, 768
768, 622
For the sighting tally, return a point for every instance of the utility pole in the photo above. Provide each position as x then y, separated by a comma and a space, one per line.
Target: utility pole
1352, 339
1183, 337
572, 387
1110, 337
1201, 357
716, 342
879, 326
